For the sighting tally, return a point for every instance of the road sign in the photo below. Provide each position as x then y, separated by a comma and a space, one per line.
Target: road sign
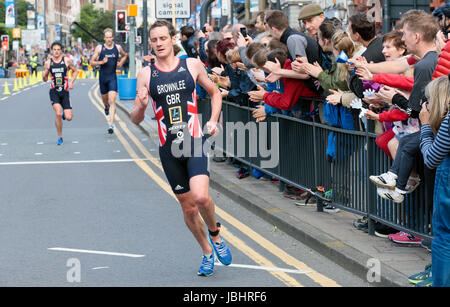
164, 9
16, 33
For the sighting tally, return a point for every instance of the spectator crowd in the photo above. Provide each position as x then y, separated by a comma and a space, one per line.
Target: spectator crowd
346, 76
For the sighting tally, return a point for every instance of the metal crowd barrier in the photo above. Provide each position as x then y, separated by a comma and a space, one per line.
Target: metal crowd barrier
303, 163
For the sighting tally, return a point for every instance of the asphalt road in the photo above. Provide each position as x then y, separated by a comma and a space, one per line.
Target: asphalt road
97, 211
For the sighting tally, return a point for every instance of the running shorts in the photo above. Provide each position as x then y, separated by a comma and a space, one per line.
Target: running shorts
108, 85
179, 170
61, 97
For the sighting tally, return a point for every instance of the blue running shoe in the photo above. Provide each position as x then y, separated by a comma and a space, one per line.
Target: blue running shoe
221, 250
107, 111
60, 141
111, 129
207, 267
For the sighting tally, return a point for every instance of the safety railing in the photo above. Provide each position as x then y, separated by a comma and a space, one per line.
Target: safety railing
295, 152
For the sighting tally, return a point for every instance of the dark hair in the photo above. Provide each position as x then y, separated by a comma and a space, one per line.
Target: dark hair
279, 54
275, 44
212, 57
329, 26
163, 23
252, 49
396, 38
188, 31
276, 19
223, 46
56, 43
363, 26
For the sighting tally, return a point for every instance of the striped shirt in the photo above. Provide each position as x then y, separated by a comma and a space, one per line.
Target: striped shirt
435, 150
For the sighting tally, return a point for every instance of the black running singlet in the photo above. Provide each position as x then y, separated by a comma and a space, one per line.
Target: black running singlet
58, 73
173, 97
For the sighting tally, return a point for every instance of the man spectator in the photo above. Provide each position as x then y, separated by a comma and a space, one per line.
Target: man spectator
187, 41
362, 30
311, 16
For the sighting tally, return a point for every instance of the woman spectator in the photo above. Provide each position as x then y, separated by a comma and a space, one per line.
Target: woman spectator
435, 147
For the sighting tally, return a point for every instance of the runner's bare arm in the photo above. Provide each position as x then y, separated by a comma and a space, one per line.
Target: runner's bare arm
46, 71
95, 56
123, 56
75, 71
141, 102
213, 91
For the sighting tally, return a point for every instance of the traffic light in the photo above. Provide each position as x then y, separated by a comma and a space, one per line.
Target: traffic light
5, 42
5, 39
121, 18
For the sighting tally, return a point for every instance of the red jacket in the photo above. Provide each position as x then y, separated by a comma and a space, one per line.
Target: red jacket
443, 64
396, 81
393, 115
293, 90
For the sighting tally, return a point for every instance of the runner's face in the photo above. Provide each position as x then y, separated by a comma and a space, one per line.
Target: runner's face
56, 51
161, 41
108, 38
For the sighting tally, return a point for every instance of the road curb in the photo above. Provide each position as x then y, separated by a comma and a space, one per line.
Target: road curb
340, 253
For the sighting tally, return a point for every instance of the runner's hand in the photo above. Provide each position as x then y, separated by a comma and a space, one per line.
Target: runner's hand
143, 96
212, 128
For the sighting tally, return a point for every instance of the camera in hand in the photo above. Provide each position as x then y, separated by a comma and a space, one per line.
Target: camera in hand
243, 31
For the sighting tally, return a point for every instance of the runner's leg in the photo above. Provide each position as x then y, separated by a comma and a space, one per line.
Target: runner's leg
58, 119
199, 186
112, 95
193, 221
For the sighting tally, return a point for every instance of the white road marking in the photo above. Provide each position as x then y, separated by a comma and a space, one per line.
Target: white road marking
74, 142
71, 161
4, 98
255, 267
76, 153
40, 143
116, 151
100, 267
4, 144
86, 251
38, 153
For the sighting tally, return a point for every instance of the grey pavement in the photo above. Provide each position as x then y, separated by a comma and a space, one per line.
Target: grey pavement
330, 234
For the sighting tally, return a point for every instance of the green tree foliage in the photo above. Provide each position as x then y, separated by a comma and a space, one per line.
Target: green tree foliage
94, 21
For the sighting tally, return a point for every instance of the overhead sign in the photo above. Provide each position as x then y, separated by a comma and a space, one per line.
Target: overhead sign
182, 9
31, 37
10, 14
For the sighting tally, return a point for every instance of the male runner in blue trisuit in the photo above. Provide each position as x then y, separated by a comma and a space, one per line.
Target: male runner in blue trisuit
107, 56
170, 85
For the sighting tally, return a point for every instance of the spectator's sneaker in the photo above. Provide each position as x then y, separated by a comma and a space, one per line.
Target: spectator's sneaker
60, 141
387, 180
331, 209
426, 283
404, 238
384, 231
420, 277
207, 266
361, 224
222, 252
388, 194
111, 129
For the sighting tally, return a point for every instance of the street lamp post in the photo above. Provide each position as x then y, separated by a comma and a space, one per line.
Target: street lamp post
132, 42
